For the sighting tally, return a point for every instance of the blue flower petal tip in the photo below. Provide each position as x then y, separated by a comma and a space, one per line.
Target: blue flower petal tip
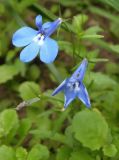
45, 46
73, 87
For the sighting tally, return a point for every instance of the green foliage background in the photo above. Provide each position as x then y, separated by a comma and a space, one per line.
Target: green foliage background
39, 129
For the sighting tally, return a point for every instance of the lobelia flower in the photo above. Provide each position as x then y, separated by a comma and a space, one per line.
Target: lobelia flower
73, 87
37, 41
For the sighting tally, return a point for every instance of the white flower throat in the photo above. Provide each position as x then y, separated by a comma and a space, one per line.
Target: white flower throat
74, 86
39, 39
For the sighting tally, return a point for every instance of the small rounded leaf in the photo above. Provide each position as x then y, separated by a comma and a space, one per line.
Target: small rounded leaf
21, 153
90, 128
38, 152
110, 150
7, 153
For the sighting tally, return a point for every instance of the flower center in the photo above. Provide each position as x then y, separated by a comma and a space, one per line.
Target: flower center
39, 39
74, 86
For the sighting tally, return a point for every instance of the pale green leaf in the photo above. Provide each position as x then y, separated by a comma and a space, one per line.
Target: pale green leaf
78, 22
7, 153
90, 128
100, 81
21, 153
29, 90
38, 152
86, 36
7, 72
8, 122
25, 125
114, 48
110, 150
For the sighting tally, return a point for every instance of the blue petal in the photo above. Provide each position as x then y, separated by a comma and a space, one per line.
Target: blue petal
29, 52
69, 96
80, 72
59, 88
47, 25
48, 50
83, 95
23, 36
39, 21
53, 26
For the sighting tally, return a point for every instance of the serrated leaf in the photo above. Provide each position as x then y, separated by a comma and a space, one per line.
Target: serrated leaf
7, 153
21, 153
38, 152
110, 150
90, 128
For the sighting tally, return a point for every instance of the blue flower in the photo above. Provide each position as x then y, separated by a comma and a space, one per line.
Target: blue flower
37, 41
73, 87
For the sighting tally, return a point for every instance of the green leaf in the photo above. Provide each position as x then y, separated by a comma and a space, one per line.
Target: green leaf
38, 152
80, 155
7, 153
25, 125
86, 36
110, 150
94, 60
55, 72
33, 72
90, 128
21, 153
66, 46
29, 90
63, 153
114, 48
8, 122
78, 22
92, 32
21, 67
100, 81
7, 72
